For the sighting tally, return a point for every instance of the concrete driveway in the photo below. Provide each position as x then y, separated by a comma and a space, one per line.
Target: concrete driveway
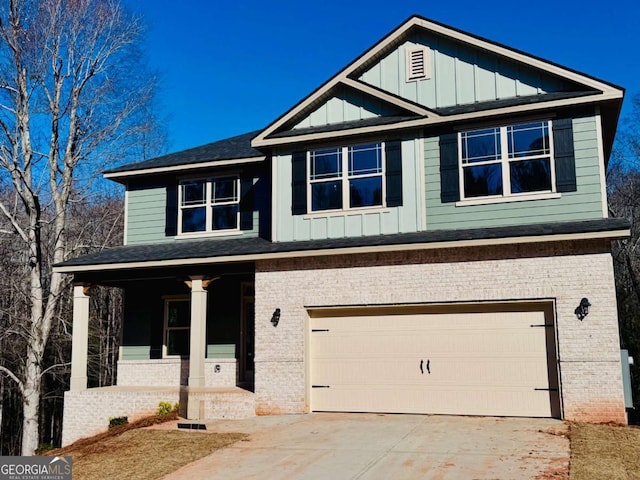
369, 446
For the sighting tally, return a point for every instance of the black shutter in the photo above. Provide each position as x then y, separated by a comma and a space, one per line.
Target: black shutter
299, 183
449, 173
246, 203
171, 211
564, 156
393, 153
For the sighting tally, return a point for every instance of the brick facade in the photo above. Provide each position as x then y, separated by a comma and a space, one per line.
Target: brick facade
219, 372
563, 272
87, 412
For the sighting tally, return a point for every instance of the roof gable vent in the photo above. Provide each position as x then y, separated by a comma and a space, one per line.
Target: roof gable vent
418, 63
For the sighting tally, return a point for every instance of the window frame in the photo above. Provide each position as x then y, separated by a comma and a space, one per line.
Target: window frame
165, 333
209, 204
345, 177
505, 161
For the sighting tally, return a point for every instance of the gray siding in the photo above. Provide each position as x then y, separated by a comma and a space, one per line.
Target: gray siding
585, 203
460, 75
407, 218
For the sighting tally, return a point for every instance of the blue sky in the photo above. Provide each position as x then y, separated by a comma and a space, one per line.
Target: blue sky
230, 67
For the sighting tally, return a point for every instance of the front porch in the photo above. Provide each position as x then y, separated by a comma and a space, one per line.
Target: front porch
187, 338
87, 412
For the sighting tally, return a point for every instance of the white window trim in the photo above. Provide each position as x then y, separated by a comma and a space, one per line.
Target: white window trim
410, 76
344, 179
208, 204
165, 334
505, 161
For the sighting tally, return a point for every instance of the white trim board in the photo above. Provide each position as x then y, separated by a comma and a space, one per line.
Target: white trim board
612, 234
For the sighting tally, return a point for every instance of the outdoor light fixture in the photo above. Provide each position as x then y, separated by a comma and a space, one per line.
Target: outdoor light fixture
582, 310
275, 318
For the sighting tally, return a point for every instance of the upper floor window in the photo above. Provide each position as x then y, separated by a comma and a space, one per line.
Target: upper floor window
209, 205
346, 177
507, 161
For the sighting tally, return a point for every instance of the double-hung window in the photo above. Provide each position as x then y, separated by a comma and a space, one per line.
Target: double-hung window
507, 161
209, 205
346, 177
177, 326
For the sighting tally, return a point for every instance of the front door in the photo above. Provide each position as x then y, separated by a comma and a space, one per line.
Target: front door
247, 336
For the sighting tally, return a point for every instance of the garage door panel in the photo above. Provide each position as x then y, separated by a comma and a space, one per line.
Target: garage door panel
486, 363
443, 371
443, 400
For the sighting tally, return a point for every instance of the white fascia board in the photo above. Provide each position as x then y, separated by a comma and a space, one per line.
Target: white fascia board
386, 97
612, 234
343, 75
517, 56
332, 82
182, 167
421, 122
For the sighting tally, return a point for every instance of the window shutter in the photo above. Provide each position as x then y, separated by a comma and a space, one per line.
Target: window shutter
246, 203
449, 173
393, 167
299, 183
565, 160
171, 211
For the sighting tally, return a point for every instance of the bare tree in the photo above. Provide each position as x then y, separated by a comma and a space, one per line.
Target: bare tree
73, 96
623, 184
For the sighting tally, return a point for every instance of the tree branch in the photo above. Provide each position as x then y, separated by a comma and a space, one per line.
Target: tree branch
11, 375
54, 366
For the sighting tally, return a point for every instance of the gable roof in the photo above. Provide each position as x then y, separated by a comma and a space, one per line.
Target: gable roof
232, 150
588, 89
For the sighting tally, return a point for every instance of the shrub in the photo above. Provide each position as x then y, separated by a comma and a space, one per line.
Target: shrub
116, 421
165, 408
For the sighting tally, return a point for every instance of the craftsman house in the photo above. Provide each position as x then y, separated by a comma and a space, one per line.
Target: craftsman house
427, 232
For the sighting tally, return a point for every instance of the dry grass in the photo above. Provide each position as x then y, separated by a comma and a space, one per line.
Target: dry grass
132, 452
604, 452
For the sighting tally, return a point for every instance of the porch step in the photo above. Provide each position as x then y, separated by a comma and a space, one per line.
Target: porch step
228, 403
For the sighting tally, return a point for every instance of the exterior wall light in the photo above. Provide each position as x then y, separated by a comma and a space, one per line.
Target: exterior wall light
582, 310
275, 318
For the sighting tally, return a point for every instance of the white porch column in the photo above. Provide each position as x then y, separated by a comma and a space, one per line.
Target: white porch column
80, 337
198, 342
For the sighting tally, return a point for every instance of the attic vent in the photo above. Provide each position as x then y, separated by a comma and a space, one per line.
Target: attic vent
418, 63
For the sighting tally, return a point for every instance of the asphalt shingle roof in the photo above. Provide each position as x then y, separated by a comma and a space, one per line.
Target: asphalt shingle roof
227, 149
210, 248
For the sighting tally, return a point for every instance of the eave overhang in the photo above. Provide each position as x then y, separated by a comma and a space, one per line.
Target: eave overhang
187, 167
209, 252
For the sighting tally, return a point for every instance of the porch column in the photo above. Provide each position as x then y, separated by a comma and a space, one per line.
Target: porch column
198, 341
80, 337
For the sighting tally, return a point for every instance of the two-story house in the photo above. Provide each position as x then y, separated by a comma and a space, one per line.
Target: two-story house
427, 232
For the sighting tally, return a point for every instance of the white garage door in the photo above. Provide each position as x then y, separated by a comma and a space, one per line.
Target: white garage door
446, 363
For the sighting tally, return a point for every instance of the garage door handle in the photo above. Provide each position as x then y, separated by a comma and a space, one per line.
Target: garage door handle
422, 365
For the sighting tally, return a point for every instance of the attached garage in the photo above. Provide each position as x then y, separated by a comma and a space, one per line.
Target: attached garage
496, 359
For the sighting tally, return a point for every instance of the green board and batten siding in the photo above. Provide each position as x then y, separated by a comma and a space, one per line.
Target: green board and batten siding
390, 220
583, 204
460, 75
346, 107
